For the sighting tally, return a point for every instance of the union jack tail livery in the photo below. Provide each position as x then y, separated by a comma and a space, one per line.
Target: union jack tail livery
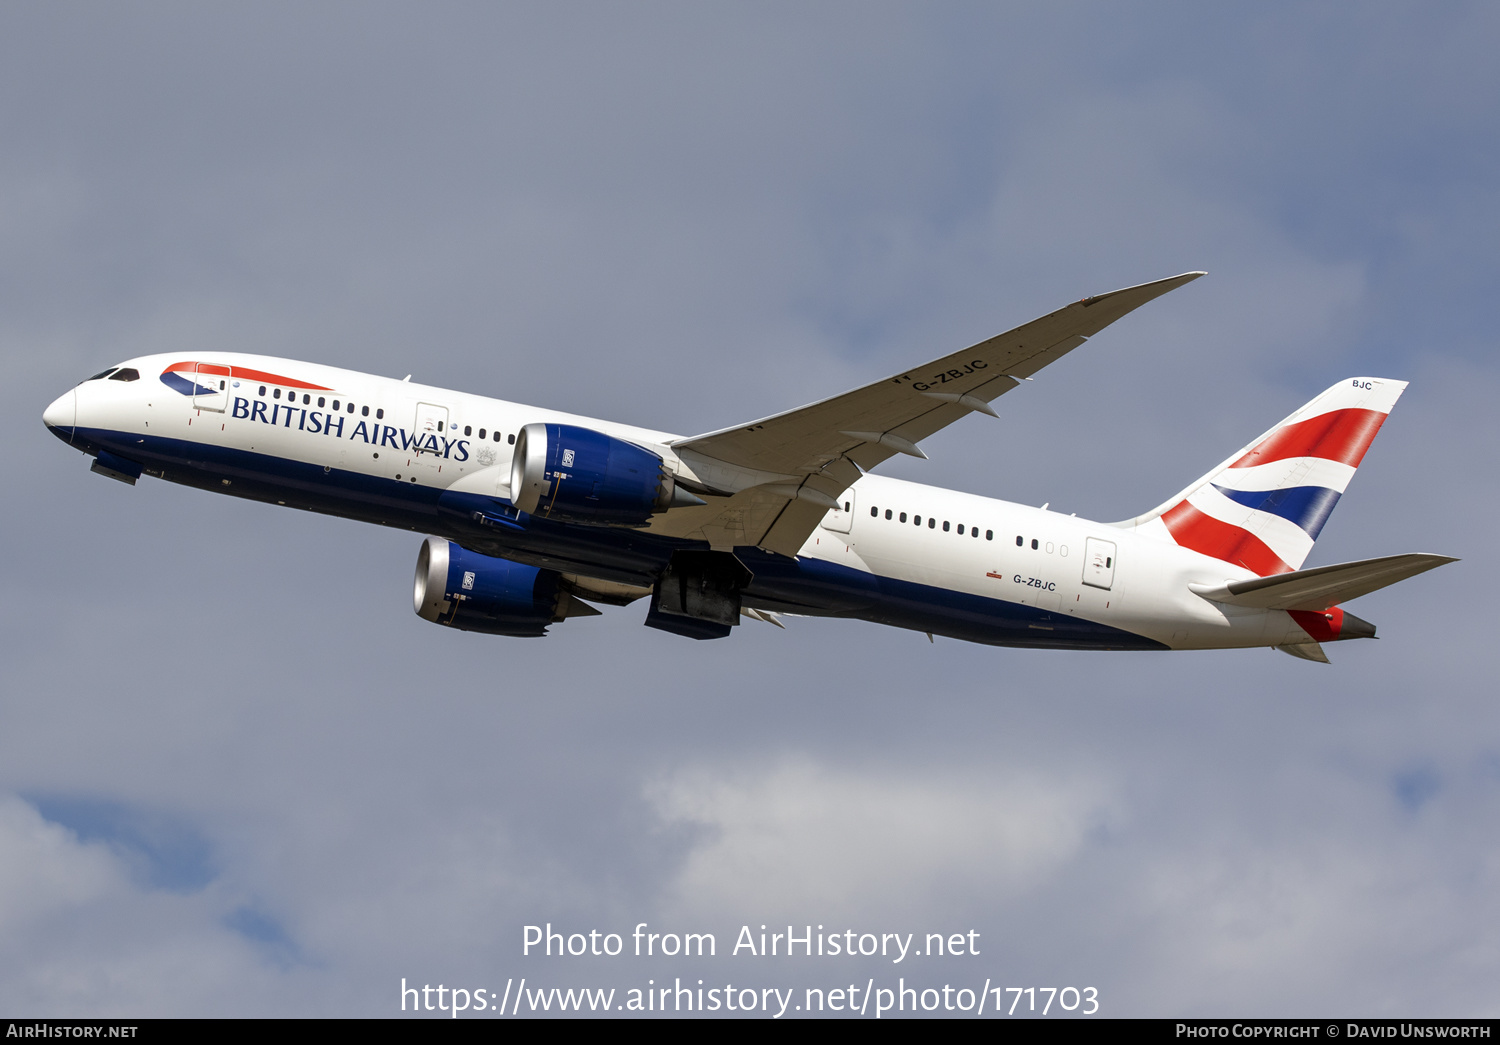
1263, 508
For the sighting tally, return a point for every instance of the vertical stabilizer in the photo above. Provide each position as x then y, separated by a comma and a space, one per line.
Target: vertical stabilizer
1263, 508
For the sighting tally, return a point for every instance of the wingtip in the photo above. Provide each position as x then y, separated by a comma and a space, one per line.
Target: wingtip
1184, 277
1181, 277
1154, 288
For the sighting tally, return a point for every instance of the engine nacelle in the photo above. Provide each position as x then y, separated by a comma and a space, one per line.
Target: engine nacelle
462, 589
580, 475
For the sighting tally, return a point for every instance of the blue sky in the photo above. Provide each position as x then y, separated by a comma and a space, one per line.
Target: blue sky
238, 776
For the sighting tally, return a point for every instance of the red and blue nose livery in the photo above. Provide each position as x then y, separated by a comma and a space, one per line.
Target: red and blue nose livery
194, 378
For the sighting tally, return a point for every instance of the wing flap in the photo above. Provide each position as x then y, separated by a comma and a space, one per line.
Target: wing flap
1322, 587
787, 534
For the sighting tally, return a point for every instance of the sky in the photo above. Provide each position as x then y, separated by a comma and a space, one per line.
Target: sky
239, 777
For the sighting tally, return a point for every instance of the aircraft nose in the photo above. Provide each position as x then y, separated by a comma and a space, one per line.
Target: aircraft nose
62, 415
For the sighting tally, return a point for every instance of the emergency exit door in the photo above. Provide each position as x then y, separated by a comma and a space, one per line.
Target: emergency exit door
841, 518
431, 428
210, 386
1098, 563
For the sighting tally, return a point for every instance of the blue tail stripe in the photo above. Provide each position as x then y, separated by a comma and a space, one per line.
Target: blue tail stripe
1307, 506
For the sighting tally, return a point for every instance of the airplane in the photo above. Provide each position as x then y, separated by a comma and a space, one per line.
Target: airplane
533, 516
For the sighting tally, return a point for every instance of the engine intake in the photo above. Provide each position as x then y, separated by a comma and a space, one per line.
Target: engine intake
461, 589
580, 475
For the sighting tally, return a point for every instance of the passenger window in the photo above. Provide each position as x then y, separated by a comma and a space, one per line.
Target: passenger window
974, 530
960, 529
509, 439
874, 513
887, 513
351, 408
917, 519
497, 437
945, 525
931, 522
379, 414
322, 401
989, 535
481, 433
276, 394
262, 389
364, 411
903, 516
1018, 541
468, 430
335, 404
126, 374
1033, 544
306, 399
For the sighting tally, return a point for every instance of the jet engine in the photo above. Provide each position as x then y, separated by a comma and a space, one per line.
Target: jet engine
583, 476
462, 589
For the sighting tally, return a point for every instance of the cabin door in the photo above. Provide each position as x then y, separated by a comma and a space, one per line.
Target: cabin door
841, 518
431, 429
1098, 563
210, 387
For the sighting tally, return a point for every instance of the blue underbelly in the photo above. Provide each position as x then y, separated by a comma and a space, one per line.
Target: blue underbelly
807, 586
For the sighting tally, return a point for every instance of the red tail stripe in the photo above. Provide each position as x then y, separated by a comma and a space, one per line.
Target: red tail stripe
249, 375
1339, 435
1203, 533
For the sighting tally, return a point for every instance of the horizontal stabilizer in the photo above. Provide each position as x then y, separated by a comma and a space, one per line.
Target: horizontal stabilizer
1306, 651
1325, 586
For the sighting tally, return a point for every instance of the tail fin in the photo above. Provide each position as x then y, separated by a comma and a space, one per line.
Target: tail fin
1264, 507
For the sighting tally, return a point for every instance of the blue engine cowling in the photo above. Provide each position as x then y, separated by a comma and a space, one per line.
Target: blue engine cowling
463, 589
580, 475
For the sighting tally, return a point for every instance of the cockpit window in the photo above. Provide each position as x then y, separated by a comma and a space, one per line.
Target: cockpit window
126, 373
101, 374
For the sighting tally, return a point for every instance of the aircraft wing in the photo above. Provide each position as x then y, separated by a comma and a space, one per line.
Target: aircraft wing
801, 460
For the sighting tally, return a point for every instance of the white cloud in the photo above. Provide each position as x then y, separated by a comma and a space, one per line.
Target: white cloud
44, 869
79, 934
805, 838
